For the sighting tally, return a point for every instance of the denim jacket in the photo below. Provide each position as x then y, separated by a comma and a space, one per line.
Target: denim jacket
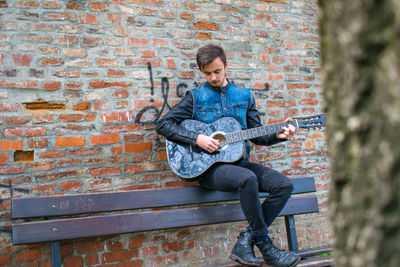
207, 104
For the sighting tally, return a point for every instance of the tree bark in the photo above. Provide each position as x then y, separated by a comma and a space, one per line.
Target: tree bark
360, 54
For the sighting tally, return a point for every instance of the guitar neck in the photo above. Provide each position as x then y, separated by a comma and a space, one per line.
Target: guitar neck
257, 132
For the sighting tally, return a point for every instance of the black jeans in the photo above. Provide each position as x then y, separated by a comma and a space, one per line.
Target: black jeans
248, 179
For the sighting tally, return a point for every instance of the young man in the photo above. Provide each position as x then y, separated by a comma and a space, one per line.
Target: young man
207, 103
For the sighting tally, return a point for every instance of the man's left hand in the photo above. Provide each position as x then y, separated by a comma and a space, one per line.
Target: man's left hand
286, 132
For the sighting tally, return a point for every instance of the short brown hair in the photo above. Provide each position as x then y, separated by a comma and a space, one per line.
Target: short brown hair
207, 54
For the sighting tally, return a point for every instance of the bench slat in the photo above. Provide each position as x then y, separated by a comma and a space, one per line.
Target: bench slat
60, 229
135, 199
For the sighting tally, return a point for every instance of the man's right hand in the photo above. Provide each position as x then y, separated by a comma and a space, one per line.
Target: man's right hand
207, 143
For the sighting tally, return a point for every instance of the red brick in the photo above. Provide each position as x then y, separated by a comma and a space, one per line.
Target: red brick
150, 251
70, 141
118, 116
21, 59
275, 77
72, 117
92, 41
73, 5
204, 25
144, 167
82, 106
264, 16
19, 84
310, 102
134, 263
123, 128
115, 245
28, 255
49, 50
74, 85
17, 120
149, 2
90, 19
118, 256
186, 74
116, 150
92, 259
104, 139
50, 5
159, 42
86, 152
5, 260
105, 171
143, 62
60, 16
187, 15
192, 6
107, 62
173, 246
211, 251
90, 117
52, 154
52, 62
138, 147
103, 84
162, 155
95, 7
121, 94
51, 86
137, 42
25, 131
89, 247
5, 107
171, 64
147, 53
66, 186
292, 44
74, 52
298, 86
203, 36
73, 262
3, 158
99, 183
116, 73
147, 11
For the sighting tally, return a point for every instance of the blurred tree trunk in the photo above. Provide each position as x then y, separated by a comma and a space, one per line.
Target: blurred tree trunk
360, 49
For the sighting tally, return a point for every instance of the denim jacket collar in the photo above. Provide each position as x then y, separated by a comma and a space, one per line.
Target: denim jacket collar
218, 88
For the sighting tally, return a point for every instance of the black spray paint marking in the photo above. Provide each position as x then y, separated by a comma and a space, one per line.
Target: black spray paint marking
151, 81
164, 92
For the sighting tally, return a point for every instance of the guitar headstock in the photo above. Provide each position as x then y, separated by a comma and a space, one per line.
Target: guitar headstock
313, 121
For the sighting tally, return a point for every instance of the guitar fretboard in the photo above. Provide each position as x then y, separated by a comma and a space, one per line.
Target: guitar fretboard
257, 132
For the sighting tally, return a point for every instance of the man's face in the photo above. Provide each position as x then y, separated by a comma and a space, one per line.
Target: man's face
215, 73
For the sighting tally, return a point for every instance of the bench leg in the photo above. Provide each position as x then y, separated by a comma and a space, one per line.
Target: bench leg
55, 254
291, 233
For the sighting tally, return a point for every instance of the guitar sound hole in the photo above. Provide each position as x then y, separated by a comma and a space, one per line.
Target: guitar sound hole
221, 139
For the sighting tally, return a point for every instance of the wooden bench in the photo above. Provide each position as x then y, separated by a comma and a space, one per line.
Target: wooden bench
55, 218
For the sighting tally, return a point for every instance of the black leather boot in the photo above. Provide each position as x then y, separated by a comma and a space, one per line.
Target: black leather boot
243, 251
275, 256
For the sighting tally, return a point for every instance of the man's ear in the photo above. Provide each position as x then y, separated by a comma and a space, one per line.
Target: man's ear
226, 64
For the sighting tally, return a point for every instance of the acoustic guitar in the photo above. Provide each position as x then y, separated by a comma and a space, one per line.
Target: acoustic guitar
189, 162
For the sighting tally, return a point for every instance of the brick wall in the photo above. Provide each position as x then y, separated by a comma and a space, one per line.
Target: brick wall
82, 84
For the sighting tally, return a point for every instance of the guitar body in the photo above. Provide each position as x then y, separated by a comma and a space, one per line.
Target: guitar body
189, 162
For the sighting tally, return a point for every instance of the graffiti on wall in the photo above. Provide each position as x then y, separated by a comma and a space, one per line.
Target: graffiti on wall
140, 118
